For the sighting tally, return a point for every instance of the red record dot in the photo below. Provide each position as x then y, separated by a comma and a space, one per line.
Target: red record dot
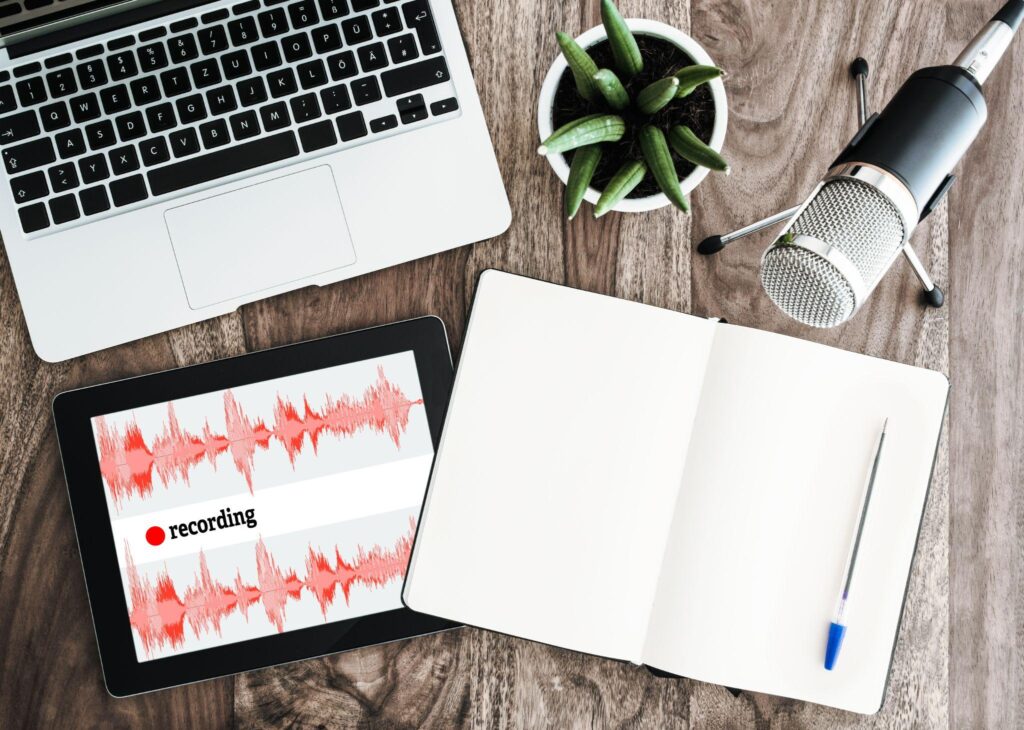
155, 535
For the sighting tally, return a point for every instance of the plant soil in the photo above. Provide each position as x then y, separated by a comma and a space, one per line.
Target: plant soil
661, 59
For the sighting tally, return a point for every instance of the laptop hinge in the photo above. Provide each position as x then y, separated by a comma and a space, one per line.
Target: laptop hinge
63, 33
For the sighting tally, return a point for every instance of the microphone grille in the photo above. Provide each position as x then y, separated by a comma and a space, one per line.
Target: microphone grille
856, 219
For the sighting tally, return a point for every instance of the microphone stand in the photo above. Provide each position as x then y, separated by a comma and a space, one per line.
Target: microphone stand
932, 294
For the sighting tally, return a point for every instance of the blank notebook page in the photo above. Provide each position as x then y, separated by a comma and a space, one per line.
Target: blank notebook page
781, 451
561, 459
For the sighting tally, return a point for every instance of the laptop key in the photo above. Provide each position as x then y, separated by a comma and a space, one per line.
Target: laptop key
361, 5
31, 91
206, 73
365, 90
419, 18
273, 22
415, 76
326, 39
94, 200
221, 100
403, 48
100, 134
226, 161
275, 116
154, 151
243, 31
335, 99
312, 74
85, 108
383, 123
266, 56
333, 9
63, 177
115, 99
70, 144
356, 30
182, 48
130, 126
214, 133
29, 187
351, 126
296, 47
128, 190
145, 90
123, 160
61, 83
34, 217
213, 39
152, 57
28, 156
372, 57
64, 209
7, 101
160, 117
91, 74
93, 168
317, 136
282, 83
303, 14
342, 65
175, 82
305, 107
18, 127
184, 142
244, 125
386, 21
122, 66
191, 109
236, 65
252, 91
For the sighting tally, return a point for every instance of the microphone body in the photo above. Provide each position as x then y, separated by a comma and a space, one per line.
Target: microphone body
894, 171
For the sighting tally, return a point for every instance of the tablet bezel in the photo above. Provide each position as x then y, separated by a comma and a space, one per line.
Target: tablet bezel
73, 410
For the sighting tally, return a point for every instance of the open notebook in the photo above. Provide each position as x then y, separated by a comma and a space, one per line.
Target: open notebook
651, 486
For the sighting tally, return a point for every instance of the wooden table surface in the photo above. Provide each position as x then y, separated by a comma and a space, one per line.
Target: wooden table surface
960, 657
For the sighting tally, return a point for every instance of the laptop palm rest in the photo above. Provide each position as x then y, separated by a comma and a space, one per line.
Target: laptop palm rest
260, 236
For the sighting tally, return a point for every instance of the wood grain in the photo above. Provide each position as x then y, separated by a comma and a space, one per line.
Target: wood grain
791, 108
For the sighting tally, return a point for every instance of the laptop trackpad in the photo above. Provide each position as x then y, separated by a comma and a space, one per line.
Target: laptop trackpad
261, 236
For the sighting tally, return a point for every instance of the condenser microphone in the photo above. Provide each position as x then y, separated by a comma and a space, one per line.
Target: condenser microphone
858, 220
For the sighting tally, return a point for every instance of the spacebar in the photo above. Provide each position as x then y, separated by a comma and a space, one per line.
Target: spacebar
228, 161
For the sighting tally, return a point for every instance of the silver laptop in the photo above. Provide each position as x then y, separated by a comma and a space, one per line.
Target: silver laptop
166, 162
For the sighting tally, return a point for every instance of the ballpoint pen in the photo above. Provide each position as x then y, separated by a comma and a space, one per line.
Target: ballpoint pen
837, 629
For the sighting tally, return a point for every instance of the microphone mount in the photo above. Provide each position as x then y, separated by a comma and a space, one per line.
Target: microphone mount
932, 295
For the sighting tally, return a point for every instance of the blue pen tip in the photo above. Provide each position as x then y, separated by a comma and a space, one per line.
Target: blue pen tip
836, 632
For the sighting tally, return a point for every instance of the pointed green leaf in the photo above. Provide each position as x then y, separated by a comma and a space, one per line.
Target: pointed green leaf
622, 183
625, 51
655, 96
581, 64
693, 76
581, 132
659, 160
688, 146
611, 89
584, 162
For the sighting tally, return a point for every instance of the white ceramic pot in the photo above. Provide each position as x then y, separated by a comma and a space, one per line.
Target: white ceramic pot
641, 27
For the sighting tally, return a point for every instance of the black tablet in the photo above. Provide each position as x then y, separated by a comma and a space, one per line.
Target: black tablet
255, 510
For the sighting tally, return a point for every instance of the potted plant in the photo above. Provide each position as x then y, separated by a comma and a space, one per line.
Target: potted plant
632, 115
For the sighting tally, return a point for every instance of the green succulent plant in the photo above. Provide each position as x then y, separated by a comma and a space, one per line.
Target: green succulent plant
603, 87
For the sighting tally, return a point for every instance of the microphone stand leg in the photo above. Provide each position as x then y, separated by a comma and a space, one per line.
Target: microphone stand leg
714, 244
932, 294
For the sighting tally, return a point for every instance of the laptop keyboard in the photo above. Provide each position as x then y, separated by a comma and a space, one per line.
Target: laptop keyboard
180, 105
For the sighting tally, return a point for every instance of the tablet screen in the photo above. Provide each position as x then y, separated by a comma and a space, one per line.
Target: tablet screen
266, 508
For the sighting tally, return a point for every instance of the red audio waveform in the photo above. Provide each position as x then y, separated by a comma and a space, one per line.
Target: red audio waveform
127, 462
159, 612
